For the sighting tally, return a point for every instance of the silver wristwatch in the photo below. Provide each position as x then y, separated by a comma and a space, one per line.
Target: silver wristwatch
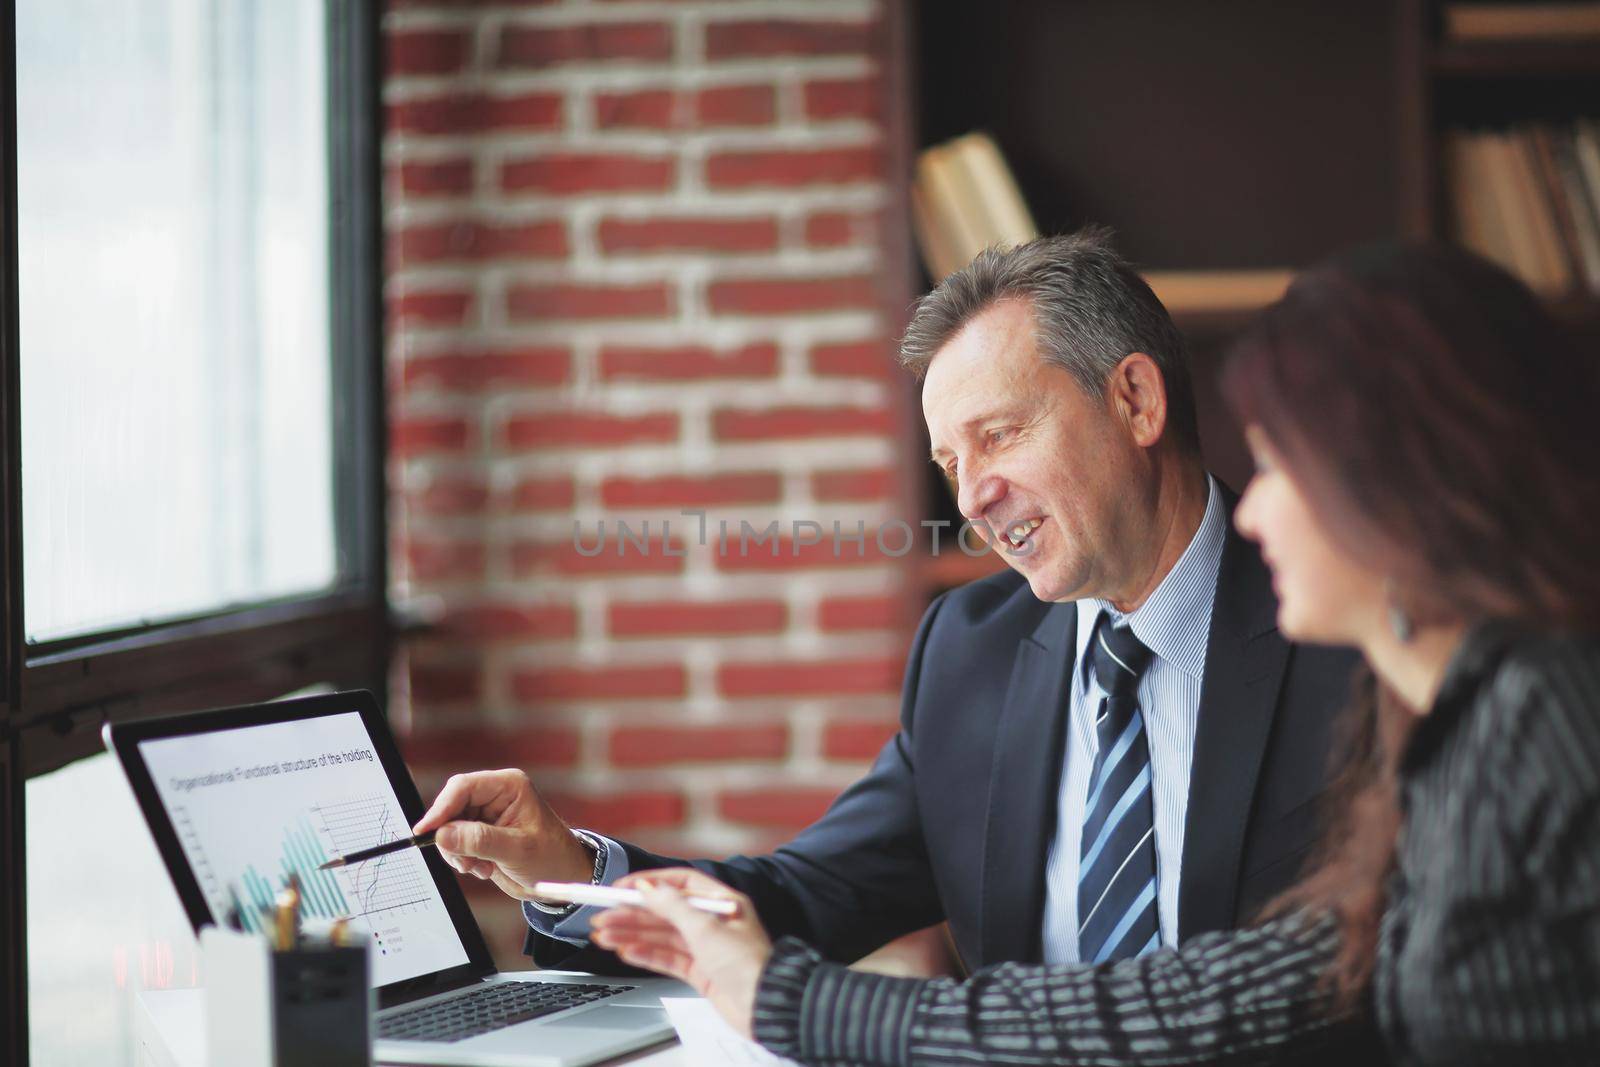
599, 851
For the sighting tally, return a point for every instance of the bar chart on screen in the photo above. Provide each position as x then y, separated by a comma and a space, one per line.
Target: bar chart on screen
254, 806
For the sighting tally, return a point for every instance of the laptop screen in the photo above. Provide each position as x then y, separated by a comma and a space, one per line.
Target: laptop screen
251, 804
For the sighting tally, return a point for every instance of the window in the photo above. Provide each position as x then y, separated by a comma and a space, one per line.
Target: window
172, 245
191, 441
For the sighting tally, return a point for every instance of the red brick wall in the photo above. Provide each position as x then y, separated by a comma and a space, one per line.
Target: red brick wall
637, 262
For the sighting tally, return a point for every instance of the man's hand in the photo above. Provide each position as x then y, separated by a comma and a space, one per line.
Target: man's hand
495, 825
720, 956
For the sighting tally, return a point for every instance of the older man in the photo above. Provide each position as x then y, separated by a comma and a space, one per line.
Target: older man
1108, 748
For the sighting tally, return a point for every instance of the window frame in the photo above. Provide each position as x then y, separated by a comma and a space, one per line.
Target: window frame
54, 696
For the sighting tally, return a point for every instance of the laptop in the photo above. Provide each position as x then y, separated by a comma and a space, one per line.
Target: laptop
238, 798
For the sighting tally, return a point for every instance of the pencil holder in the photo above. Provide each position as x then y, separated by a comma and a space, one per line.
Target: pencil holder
303, 1007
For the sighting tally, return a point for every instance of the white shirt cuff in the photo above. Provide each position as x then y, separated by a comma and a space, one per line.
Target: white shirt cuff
574, 927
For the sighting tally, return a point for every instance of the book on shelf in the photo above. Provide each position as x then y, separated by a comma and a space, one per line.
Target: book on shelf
1585, 208
1529, 199
964, 199
1468, 22
1585, 148
1544, 151
1554, 274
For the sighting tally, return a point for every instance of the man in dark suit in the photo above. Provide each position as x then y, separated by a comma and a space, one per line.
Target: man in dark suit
1108, 749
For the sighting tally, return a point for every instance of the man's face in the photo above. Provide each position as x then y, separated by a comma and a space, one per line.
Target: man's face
1031, 455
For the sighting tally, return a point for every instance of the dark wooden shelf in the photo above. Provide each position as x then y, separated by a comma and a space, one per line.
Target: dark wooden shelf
1577, 307
1517, 59
1217, 300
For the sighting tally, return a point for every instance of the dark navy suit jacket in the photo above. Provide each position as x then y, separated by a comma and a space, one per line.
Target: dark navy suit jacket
955, 818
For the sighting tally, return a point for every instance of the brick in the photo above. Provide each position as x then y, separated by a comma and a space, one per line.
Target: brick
473, 241
450, 496
785, 553
618, 813
788, 168
435, 307
686, 363
475, 371
414, 435
536, 622
610, 682
443, 683
472, 748
613, 555
737, 424
534, 302
781, 296
642, 109
790, 808
816, 678
575, 173
840, 229
688, 233
859, 359
664, 618
842, 614
878, 483
829, 229
524, 47
543, 494
856, 740
736, 105
474, 112
789, 37
431, 51
442, 561
844, 98
762, 487
589, 429
655, 746
436, 177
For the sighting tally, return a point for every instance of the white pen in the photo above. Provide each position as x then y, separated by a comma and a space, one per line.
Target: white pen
609, 896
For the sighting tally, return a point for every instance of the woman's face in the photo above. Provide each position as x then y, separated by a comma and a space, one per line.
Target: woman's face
1324, 596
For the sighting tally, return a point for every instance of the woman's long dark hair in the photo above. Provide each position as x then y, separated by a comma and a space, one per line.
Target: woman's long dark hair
1445, 429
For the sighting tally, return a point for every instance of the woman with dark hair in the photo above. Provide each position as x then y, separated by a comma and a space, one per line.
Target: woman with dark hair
1427, 443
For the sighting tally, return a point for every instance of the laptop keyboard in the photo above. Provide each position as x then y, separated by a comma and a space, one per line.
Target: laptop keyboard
490, 1008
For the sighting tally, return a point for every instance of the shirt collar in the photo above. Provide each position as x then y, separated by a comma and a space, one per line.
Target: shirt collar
1175, 620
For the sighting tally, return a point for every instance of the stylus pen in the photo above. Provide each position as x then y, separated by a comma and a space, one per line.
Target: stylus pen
420, 841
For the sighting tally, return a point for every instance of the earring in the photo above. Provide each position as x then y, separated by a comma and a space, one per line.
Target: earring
1400, 623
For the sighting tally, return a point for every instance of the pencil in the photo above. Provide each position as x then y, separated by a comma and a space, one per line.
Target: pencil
421, 841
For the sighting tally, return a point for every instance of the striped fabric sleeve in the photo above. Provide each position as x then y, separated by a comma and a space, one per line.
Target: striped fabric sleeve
1222, 998
805, 1007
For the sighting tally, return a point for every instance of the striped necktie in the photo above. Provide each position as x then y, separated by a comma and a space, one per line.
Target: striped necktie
1117, 916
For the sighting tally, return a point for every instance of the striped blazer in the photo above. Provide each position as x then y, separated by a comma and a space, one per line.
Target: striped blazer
1489, 949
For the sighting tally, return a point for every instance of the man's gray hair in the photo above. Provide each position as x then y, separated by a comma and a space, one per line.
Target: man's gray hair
1090, 307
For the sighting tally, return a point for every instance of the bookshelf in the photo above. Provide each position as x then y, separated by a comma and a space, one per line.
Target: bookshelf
1514, 59
1499, 81
1228, 145
1215, 299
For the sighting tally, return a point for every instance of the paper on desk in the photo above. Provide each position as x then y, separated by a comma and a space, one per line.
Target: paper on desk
711, 1042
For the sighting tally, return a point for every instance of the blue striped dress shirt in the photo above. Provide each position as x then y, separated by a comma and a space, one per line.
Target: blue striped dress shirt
1173, 623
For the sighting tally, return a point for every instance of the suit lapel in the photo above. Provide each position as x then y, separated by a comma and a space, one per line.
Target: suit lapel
1023, 789
1245, 661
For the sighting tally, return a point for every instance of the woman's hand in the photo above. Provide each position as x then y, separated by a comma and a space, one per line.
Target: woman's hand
720, 956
